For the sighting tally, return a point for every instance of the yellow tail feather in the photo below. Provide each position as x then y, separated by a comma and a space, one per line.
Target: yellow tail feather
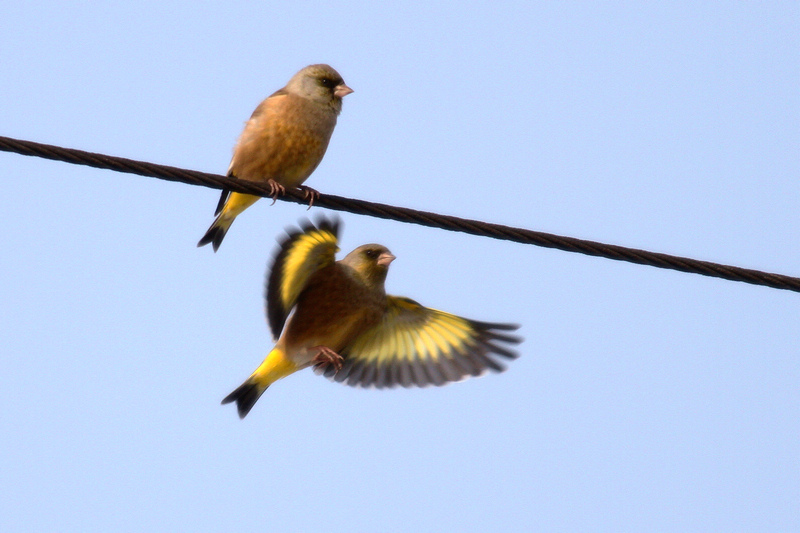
274, 367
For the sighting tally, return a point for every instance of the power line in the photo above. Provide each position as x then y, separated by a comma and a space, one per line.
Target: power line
402, 214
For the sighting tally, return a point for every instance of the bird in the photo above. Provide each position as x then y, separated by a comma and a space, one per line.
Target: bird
282, 143
336, 316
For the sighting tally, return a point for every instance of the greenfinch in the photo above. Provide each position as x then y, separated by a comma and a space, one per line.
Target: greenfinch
283, 142
337, 317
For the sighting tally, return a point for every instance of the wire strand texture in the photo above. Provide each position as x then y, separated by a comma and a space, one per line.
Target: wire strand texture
402, 214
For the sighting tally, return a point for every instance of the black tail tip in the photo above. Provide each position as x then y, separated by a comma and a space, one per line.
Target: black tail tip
245, 396
214, 235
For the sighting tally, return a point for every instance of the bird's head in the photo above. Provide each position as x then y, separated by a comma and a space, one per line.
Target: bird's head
371, 262
320, 83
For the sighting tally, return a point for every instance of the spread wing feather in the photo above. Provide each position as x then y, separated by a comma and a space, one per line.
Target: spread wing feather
303, 252
418, 346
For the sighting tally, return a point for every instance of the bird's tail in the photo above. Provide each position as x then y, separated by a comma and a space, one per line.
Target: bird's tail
216, 232
274, 367
229, 207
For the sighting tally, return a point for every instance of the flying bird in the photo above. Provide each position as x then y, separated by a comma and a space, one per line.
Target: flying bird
282, 143
337, 317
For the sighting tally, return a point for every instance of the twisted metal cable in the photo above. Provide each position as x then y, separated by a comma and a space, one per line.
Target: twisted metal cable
402, 214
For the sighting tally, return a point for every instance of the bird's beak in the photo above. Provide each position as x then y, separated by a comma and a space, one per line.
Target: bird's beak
341, 90
385, 258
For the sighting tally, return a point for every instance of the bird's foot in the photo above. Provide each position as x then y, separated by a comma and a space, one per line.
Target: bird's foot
327, 357
275, 190
309, 194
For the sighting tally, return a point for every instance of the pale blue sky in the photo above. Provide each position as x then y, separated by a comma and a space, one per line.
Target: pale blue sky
643, 399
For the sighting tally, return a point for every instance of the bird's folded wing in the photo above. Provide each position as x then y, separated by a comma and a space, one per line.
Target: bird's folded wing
301, 254
418, 346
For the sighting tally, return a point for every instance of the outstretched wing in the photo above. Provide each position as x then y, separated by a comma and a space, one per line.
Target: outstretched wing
303, 252
418, 346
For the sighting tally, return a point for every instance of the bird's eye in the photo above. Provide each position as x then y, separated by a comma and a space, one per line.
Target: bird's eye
327, 82
372, 254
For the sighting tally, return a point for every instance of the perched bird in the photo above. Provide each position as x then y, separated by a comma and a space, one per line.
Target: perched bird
337, 316
283, 142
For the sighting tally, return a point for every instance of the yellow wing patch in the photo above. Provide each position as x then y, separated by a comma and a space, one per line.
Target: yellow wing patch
300, 255
418, 346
